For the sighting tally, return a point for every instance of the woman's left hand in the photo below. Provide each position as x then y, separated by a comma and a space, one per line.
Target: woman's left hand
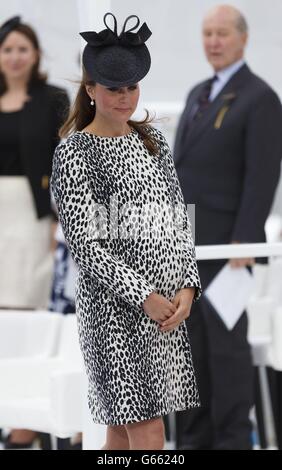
183, 302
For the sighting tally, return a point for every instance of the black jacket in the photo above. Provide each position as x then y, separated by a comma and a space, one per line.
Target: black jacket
41, 119
228, 161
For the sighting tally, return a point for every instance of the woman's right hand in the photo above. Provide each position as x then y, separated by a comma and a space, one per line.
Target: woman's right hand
158, 308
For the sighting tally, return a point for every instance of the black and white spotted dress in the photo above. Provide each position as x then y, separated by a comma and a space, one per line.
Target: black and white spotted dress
135, 372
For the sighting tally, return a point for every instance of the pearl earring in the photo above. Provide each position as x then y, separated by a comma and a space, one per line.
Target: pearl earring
92, 102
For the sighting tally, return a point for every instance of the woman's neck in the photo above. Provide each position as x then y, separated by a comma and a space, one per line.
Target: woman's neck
104, 128
16, 85
15, 96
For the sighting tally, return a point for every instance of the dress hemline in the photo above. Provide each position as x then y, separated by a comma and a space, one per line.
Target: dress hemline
153, 416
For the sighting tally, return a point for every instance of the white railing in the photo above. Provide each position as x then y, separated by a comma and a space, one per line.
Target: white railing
240, 250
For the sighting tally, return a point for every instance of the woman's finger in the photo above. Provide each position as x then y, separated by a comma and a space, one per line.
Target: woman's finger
175, 317
170, 327
168, 314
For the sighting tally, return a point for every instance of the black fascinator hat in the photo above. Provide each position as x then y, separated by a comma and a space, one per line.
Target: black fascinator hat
8, 27
116, 60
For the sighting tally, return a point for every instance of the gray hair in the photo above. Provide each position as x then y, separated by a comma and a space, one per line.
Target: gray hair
241, 24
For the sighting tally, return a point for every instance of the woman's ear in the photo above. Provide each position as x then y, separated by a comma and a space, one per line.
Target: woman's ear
90, 91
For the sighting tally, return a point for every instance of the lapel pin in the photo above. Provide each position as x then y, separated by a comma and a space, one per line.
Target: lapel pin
220, 117
45, 182
228, 99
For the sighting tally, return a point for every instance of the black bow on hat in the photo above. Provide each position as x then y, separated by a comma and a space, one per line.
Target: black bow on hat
117, 60
108, 37
9, 26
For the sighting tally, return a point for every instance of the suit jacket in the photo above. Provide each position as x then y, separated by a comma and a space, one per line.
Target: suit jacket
41, 119
228, 161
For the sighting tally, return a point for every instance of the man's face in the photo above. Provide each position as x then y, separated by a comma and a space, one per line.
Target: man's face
223, 43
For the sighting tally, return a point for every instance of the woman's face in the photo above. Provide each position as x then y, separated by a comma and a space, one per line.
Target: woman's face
17, 56
115, 104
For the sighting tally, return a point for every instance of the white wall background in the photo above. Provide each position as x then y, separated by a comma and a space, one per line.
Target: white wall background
178, 61
177, 57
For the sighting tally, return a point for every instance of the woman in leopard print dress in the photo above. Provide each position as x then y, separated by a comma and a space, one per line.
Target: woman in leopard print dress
124, 219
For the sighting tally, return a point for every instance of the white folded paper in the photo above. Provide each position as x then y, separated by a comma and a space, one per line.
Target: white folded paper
229, 293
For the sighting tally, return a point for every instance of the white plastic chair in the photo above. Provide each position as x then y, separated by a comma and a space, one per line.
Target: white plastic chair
45, 393
265, 334
28, 334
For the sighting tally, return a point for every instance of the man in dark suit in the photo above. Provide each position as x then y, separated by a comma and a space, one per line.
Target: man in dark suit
227, 153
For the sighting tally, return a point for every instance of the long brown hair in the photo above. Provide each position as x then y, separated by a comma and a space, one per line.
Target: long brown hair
36, 76
83, 114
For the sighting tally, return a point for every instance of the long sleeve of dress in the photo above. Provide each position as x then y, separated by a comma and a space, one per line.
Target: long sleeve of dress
74, 199
184, 232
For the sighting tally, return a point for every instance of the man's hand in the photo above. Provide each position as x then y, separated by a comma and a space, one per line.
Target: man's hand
183, 302
241, 262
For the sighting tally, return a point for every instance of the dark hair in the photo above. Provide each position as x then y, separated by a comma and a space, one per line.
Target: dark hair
83, 114
36, 76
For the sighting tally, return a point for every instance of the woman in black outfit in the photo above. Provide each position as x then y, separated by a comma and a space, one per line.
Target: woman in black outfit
31, 112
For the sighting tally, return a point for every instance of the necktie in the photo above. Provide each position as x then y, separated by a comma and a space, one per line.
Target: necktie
203, 100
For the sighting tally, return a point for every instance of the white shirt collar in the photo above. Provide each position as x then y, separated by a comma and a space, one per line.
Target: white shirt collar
223, 76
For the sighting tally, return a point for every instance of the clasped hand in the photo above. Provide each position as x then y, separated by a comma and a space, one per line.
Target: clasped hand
169, 314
